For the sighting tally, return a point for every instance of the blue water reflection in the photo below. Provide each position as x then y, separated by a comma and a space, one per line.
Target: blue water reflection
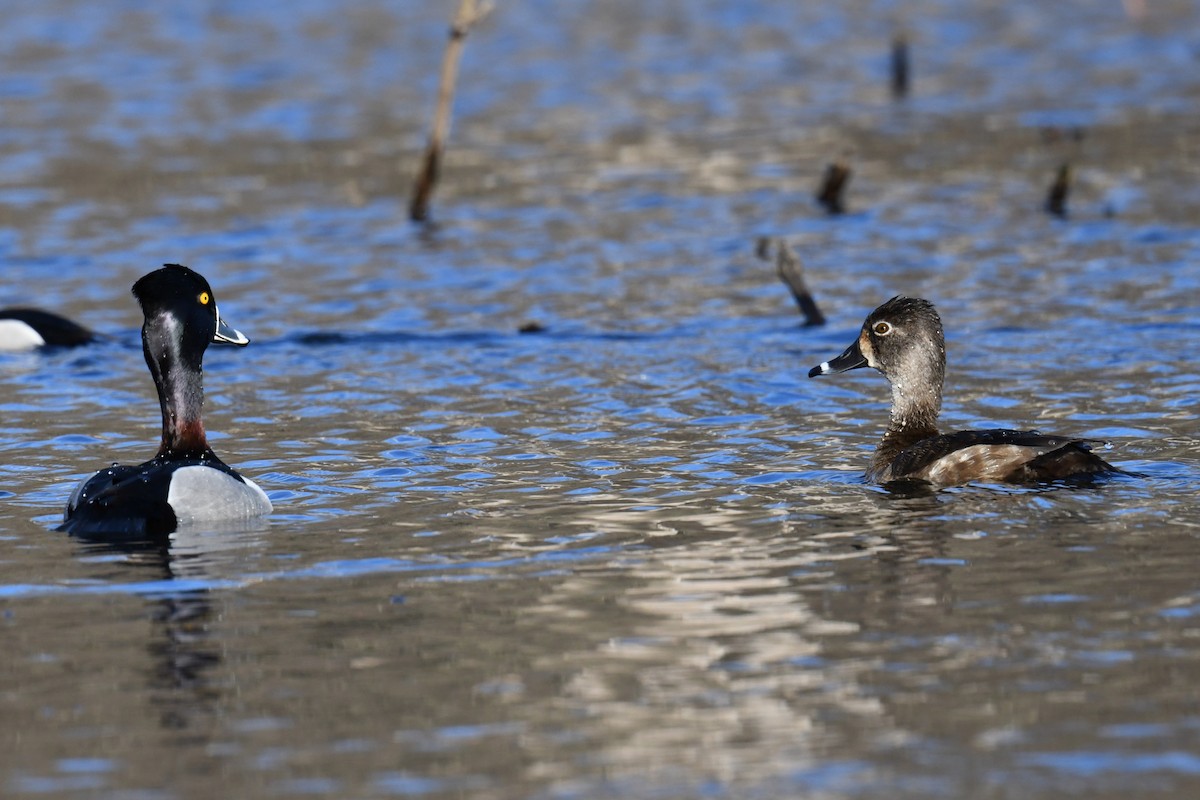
630, 554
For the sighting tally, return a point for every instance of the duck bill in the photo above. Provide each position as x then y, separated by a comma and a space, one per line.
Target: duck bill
851, 358
228, 335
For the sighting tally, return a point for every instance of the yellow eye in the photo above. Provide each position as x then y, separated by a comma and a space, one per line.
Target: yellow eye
882, 329
204, 298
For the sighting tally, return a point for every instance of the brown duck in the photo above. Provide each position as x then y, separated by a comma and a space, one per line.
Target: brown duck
903, 340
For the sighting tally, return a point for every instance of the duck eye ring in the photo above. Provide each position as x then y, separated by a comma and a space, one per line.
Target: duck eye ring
204, 298
882, 329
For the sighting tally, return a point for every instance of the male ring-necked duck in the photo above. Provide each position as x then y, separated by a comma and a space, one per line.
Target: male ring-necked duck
185, 482
903, 340
27, 328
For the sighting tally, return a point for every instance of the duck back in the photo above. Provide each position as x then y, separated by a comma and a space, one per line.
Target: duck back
127, 502
1008, 456
23, 328
153, 499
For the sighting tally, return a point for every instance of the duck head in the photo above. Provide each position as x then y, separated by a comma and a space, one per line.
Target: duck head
181, 320
903, 339
181, 299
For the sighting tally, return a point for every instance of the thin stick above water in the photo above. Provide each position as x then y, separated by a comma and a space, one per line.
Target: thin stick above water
831, 193
791, 272
469, 13
1056, 197
900, 70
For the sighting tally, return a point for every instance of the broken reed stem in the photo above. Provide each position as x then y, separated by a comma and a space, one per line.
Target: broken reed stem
1056, 198
900, 71
469, 13
831, 194
791, 272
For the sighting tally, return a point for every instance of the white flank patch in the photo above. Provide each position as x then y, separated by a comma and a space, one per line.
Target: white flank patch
204, 494
16, 335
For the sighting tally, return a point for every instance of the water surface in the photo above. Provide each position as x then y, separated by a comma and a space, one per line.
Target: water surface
632, 555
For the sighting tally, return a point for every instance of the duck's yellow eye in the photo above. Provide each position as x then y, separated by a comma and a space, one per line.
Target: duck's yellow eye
204, 298
882, 329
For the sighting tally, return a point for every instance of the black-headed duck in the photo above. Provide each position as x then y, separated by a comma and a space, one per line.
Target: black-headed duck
185, 482
28, 328
903, 340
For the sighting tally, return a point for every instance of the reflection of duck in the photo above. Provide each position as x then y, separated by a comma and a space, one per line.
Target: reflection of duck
185, 482
27, 328
179, 606
903, 340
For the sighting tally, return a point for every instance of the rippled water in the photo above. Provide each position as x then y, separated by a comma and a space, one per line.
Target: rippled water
632, 555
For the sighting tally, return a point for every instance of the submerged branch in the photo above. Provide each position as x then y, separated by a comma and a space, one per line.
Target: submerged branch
900, 70
791, 272
1056, 198
469, 13
833, 187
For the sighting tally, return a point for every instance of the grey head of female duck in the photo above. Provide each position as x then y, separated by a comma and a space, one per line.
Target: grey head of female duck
903, 339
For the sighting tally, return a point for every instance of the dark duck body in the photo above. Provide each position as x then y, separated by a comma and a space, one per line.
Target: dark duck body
27, 328
903, 339
185, 482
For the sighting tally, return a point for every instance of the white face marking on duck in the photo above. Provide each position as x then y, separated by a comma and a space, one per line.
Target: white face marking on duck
170, 357
864, 347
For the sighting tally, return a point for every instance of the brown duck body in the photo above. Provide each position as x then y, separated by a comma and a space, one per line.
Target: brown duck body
903, 339
998, 455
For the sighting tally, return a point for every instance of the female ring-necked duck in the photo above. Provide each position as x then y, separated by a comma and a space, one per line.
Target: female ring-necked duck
27, 328
185, 482
903, 340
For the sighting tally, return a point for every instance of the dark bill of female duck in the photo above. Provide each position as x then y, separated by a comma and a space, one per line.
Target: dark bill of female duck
851, 358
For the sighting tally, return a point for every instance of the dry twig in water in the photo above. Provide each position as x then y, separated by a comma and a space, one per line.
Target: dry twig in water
900, 67
1056, 198
833, 187
469, 13
791, 272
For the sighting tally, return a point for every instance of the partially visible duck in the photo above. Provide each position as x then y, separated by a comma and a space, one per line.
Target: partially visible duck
27, 328
185, 482
903, 340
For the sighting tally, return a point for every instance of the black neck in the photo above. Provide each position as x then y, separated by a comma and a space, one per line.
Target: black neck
178, 374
